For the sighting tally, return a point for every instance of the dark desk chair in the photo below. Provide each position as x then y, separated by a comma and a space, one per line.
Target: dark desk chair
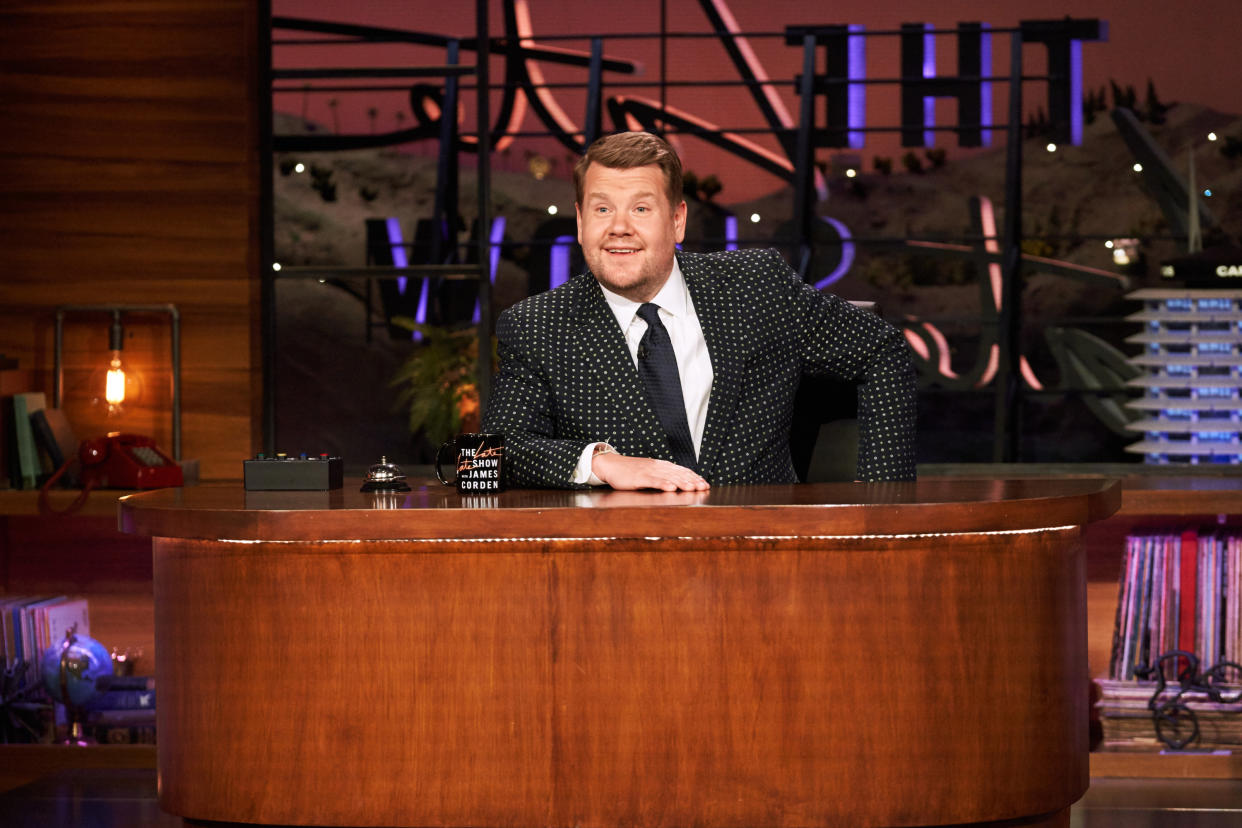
823, 438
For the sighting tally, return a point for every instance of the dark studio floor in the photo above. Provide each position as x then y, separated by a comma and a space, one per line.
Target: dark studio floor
127, 799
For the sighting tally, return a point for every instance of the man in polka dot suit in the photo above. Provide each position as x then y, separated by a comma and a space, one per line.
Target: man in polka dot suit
743, 328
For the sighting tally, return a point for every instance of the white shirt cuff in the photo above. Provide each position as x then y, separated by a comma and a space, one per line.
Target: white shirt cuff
582, 472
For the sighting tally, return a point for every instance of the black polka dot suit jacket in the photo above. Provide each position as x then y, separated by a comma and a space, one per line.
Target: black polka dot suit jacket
566, 378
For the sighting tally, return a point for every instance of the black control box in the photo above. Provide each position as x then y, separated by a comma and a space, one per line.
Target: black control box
282, 473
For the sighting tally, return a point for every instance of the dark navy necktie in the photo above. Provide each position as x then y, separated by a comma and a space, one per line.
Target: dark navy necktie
657, 367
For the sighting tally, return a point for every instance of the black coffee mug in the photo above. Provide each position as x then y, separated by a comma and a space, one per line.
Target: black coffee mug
479, 460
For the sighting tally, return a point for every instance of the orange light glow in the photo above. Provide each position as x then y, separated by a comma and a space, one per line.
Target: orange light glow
114, 391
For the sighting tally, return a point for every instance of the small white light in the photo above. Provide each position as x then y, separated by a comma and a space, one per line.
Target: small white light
1208, 192
275, 265
851, 173
1051, 147
551, 209
1137, 167
323, 281
299, 167
1109, 244
754, 218
1211, 136
1121, 257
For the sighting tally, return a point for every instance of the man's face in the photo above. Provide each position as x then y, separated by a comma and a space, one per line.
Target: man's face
628, 230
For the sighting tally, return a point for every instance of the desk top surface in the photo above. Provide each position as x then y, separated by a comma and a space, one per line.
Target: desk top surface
432, 511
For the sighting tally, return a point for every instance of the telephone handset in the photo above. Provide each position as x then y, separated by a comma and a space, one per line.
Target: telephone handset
126, 461
115, 461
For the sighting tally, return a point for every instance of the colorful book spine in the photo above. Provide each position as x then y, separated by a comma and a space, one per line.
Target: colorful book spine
1187, 593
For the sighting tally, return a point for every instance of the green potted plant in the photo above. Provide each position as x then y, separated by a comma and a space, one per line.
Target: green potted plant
438, 382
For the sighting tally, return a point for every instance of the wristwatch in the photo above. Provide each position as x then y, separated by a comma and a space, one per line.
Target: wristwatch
602, 448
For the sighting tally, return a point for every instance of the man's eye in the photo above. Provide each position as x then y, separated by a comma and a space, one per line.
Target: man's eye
640, 209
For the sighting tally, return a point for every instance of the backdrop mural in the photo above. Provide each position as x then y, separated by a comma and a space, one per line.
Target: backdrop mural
994, 260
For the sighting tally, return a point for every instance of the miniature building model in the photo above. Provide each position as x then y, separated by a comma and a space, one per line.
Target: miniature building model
1192, 373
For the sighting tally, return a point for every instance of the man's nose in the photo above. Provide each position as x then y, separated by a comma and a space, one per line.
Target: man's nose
619, 225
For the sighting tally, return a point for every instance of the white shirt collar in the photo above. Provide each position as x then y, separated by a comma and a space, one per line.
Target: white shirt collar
673, 298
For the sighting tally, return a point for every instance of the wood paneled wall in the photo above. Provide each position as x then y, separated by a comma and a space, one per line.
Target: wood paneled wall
130, 173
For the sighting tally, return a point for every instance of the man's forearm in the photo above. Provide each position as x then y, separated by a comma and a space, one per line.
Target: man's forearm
887, 416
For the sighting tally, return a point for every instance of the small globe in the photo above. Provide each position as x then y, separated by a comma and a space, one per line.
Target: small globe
84, 663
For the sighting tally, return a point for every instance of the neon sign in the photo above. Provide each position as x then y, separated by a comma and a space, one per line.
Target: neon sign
841, 84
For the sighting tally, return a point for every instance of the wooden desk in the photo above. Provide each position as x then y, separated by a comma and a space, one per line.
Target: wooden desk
833, 654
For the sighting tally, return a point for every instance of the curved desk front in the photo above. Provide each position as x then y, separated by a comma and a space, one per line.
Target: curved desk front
832, 654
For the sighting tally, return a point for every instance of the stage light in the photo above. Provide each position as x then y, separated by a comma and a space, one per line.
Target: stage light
1137, 167
1125, 251
754, 218
299, 167
851, 173
1051, 147
1211, 136
276, 266
1208, 192
551, 209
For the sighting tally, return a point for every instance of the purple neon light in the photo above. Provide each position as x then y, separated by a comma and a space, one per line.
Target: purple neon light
847, 254
495, 238
929, 71
399, 256
559, 261
420, 315
730, 232
985, 87
1076, 92
857, 100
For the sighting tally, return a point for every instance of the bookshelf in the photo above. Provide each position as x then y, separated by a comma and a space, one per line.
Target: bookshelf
1152, 502
84, 555
1165, 766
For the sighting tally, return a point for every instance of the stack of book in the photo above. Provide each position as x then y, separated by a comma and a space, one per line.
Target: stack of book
32, 624
123, 712
35, 440
1178, 591
1127, 723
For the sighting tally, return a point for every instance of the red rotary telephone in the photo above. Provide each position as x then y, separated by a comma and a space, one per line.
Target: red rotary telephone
116, 461
126, 461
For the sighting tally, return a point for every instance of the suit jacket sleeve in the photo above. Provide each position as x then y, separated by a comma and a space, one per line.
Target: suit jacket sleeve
523, 408
858, 346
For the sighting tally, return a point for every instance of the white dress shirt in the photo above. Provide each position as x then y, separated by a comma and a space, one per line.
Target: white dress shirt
694, 365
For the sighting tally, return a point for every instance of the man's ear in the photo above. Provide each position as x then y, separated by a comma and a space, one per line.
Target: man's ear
578, 217
679, 222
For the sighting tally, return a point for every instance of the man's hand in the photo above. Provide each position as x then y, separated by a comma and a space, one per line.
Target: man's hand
623, 472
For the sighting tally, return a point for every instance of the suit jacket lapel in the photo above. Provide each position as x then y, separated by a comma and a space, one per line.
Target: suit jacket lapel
598, 342
726, 354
